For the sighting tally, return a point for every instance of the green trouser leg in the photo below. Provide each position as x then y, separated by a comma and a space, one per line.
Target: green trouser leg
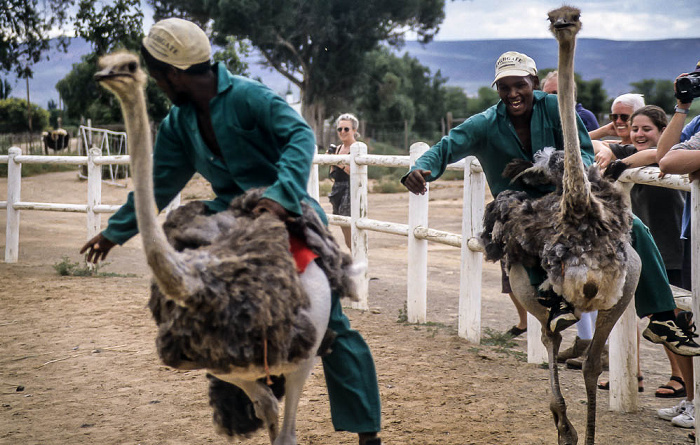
653, 293
351, 378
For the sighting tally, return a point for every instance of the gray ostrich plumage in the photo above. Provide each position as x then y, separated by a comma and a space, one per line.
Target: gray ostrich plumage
579, 232
254, 295
226, 293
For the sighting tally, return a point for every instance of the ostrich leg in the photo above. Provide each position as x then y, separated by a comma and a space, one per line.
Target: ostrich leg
592, 366
294, 384
566, 431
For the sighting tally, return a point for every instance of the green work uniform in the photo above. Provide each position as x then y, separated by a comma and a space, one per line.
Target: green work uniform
264, 143
491, 137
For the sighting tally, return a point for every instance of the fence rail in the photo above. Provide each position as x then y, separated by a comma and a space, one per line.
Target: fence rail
623, 337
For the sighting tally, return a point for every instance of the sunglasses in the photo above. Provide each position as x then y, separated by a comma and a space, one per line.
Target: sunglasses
624, 117
342, 129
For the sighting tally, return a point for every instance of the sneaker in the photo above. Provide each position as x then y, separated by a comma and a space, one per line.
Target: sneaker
674, 338
673, 412
561, 316
686, 419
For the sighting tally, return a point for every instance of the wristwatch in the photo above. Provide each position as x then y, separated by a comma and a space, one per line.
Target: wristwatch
681, 110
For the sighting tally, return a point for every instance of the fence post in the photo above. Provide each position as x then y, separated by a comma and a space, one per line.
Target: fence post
623, 362
94, 193
14, 191
417, 285
469, 324
695, 284
536, 352
358, 210
312, 185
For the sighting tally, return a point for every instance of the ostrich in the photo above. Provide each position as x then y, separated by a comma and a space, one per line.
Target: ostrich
226, 294
579, 234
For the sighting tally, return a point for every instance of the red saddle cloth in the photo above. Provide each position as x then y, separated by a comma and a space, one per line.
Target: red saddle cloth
301, 253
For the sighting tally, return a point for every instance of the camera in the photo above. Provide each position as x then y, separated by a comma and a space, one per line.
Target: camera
688, 87
332, 149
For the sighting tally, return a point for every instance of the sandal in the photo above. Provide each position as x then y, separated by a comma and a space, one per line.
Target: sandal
516, 331
640, 385
677, 392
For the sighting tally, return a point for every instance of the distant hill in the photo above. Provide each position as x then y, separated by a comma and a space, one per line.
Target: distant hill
468, 63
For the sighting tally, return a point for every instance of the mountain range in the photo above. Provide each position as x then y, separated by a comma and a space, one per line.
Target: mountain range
468, 64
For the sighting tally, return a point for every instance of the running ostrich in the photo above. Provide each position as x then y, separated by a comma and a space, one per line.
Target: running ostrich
226, 294
579, 234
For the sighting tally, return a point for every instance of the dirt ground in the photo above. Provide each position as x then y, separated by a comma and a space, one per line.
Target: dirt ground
79, 365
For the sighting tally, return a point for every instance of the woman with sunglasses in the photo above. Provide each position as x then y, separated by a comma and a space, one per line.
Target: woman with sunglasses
660, 209
346, 126
622, 108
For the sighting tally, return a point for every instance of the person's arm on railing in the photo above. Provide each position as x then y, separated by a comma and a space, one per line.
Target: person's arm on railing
672, 134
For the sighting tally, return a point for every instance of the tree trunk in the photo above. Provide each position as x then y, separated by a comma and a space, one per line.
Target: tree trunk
314, 113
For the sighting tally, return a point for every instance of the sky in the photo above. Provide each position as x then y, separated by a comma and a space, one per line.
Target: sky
604, 19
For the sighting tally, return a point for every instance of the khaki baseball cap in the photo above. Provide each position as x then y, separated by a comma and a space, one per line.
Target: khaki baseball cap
178, 42
512, 63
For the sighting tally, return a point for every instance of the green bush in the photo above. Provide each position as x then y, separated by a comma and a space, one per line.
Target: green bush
13, 116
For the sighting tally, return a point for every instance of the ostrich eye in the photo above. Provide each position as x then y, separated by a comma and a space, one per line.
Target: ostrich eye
576, 17
132, 67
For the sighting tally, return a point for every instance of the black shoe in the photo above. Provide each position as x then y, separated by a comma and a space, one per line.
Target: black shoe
515, 331
561, 316
678, 340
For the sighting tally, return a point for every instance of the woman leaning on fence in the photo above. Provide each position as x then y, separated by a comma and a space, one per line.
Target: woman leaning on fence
346, 125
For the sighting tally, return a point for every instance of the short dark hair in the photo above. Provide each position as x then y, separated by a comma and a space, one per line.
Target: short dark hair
654, 113
154, 64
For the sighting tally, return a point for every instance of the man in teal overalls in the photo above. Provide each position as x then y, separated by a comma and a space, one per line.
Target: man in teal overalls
523, 122
238, 134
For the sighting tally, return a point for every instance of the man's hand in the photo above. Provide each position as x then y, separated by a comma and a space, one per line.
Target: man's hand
415, 181
694, 176
97, 248
269, 206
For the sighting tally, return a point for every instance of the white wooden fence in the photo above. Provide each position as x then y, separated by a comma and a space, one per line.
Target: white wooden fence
623, 350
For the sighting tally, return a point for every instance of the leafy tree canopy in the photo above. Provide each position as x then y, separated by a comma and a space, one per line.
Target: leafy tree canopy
118, 24
24, 32
13, 116
656, 92
319, 45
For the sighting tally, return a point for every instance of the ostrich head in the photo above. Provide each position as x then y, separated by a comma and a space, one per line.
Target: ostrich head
564, 22
121, 73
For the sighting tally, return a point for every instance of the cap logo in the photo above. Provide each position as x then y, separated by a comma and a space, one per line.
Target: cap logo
164, 43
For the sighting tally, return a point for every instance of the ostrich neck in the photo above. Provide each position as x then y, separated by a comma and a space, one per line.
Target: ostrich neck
576, 188
170, 271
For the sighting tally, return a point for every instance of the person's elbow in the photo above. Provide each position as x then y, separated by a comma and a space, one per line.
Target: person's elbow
667, 163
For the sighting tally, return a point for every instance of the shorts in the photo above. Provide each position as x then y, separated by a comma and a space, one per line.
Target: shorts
505, 282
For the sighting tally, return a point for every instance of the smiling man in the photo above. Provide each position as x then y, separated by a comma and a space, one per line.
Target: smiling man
522, 123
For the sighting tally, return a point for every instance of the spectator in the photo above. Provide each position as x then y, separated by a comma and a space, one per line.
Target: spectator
622, 108
550, 84
346, 126
678, 152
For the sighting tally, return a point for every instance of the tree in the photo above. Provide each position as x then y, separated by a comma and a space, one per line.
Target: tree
319, 45
13, 116
657, 92
116, 25
24, 32
486, 97
232, 55
5, 89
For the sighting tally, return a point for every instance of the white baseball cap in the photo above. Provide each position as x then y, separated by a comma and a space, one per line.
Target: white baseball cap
178, 42
512, 63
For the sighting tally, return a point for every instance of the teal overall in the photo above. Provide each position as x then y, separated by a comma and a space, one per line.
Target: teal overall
264, 143
491, 138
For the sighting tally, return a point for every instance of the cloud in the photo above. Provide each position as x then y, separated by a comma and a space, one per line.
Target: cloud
612, 19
